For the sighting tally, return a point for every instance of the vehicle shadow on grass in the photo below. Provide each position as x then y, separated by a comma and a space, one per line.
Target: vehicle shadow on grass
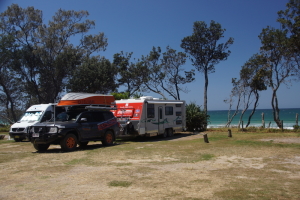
92, 146
158, 138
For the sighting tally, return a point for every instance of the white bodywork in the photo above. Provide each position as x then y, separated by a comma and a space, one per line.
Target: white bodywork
33, 115
152, 116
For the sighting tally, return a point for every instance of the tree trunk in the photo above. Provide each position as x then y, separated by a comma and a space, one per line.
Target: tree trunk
276, 109
254, 107
246, 107
9, 101
205, 93
263, 119
235, 112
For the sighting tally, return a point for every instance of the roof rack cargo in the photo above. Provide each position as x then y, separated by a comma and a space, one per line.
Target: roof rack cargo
77, 99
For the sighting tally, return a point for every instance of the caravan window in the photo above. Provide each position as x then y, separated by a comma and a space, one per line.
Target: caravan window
150, 111
169, 110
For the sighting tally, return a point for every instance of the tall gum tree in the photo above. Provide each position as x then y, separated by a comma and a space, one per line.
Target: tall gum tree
204, 49
279, 64
172, 63
163, 72
48, 56
11, 88
254, 77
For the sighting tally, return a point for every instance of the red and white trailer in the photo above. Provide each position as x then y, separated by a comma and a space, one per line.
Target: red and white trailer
148, 116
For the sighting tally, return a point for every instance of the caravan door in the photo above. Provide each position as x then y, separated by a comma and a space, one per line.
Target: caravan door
160, 120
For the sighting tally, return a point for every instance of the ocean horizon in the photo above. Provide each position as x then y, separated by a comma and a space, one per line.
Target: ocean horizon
219, 118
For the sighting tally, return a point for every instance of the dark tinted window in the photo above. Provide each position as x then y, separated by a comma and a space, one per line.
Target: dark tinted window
168, 110
150, 111
108, 115
178, 113
47, 116
98, 117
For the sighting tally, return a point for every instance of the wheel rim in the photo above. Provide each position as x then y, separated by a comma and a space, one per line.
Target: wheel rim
109, 138
70, 142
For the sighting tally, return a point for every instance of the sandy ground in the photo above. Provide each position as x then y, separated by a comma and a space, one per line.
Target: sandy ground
51, 176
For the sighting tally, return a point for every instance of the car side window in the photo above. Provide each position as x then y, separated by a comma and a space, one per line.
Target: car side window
98, 117
47, 116
88, 117
108, 115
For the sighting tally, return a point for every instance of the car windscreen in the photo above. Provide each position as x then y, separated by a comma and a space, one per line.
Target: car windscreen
64, 116
31, 116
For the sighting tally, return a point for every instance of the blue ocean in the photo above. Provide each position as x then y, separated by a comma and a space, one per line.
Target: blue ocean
219, 118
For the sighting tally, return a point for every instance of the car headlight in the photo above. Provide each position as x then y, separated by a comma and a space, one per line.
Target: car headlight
53, 130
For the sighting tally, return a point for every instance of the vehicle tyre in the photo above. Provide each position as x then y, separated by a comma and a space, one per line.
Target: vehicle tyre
41, 147
165, 133
108, 138
18, 140
170, 132
69, 143
82, 144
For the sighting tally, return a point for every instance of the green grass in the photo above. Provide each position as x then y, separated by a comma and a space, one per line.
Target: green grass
119, 183
80, 161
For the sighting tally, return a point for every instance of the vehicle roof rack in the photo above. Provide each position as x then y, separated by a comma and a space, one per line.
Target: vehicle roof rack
101, 107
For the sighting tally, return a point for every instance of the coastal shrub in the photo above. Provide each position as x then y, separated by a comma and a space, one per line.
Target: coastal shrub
195, 117
4, 128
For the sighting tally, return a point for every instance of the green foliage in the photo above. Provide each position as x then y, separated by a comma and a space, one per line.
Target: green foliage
4, 128
290, 22
120, 95
125, 95
195, 117
202, 45
171, 65
12, 89
95, 75
204, 50
47, 57
129, 73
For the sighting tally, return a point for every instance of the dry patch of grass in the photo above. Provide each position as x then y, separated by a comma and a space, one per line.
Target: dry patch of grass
182, 167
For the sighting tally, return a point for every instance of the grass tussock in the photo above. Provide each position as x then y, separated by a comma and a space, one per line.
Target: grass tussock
119, 183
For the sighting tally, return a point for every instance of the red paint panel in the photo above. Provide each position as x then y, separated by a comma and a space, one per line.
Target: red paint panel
129, 110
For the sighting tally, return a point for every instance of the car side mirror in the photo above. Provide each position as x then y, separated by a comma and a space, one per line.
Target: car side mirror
83, 120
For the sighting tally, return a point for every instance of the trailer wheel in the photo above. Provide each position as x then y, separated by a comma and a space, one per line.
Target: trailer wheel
170, 132
69, 143
108, 138
165, 133
41, 147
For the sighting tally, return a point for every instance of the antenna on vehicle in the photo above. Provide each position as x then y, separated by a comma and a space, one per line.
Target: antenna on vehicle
54, 107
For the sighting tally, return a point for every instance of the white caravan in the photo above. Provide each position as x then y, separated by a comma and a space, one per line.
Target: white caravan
34, 114
148, 116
